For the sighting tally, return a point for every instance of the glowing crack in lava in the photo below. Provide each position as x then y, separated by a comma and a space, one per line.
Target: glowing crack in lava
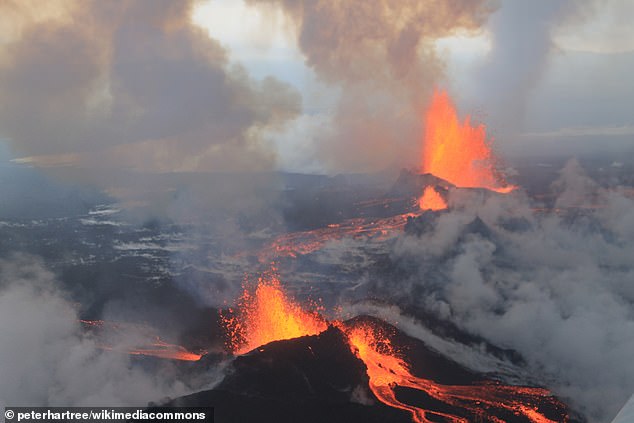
458, 152
267, 314
387, 370
431, 200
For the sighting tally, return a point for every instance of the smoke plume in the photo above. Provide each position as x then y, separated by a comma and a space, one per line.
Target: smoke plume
522, 47
46, 360
131, 85
381, 56
556, 288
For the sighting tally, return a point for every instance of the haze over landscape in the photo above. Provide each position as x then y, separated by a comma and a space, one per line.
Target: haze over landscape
443, 189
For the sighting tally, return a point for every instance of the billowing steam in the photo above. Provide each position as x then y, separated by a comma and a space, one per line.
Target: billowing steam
556, 288
46, 359
131, 85
118, 92
381, 55
521, 47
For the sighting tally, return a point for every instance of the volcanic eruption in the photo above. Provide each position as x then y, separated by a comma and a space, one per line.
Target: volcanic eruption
265, 313
458, 151
201, 203
455, 154
493, 401
431, 200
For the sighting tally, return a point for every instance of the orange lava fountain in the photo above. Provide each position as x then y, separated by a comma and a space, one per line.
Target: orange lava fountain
387, 370
431, 200
458, 152
267, 314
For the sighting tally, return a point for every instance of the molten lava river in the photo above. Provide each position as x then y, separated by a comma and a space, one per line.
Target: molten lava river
265, 313
150, 344
458, 153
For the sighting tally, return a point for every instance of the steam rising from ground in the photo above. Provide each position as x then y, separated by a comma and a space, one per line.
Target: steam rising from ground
46, 360
522, 43
558, 289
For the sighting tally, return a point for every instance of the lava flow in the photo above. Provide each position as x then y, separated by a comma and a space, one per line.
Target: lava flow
306, 242
458, 152
387, 370
150, 344
162, 349
267, 314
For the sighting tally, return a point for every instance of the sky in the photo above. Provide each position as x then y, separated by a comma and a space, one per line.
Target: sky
253, 85
114, 94
577, 100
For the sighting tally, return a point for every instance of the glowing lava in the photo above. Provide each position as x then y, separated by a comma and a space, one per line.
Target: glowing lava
160, 349
267, 314
431, 200
306, 242
458, 152
149, 344
387, 370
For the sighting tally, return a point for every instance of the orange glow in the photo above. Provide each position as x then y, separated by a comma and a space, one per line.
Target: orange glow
159, 349
458, 152
267, 314
386, 370
306, 242
431, 200
149, 344
162, 349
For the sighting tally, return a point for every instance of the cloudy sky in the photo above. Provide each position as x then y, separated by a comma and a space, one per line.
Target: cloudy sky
234, 85
544, 76
104, 91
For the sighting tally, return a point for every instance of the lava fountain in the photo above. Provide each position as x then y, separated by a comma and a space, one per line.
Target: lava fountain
431, 200
266, 314
458, 152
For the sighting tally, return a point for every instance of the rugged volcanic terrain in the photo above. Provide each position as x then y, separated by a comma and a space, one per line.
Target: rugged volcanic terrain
321, 378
